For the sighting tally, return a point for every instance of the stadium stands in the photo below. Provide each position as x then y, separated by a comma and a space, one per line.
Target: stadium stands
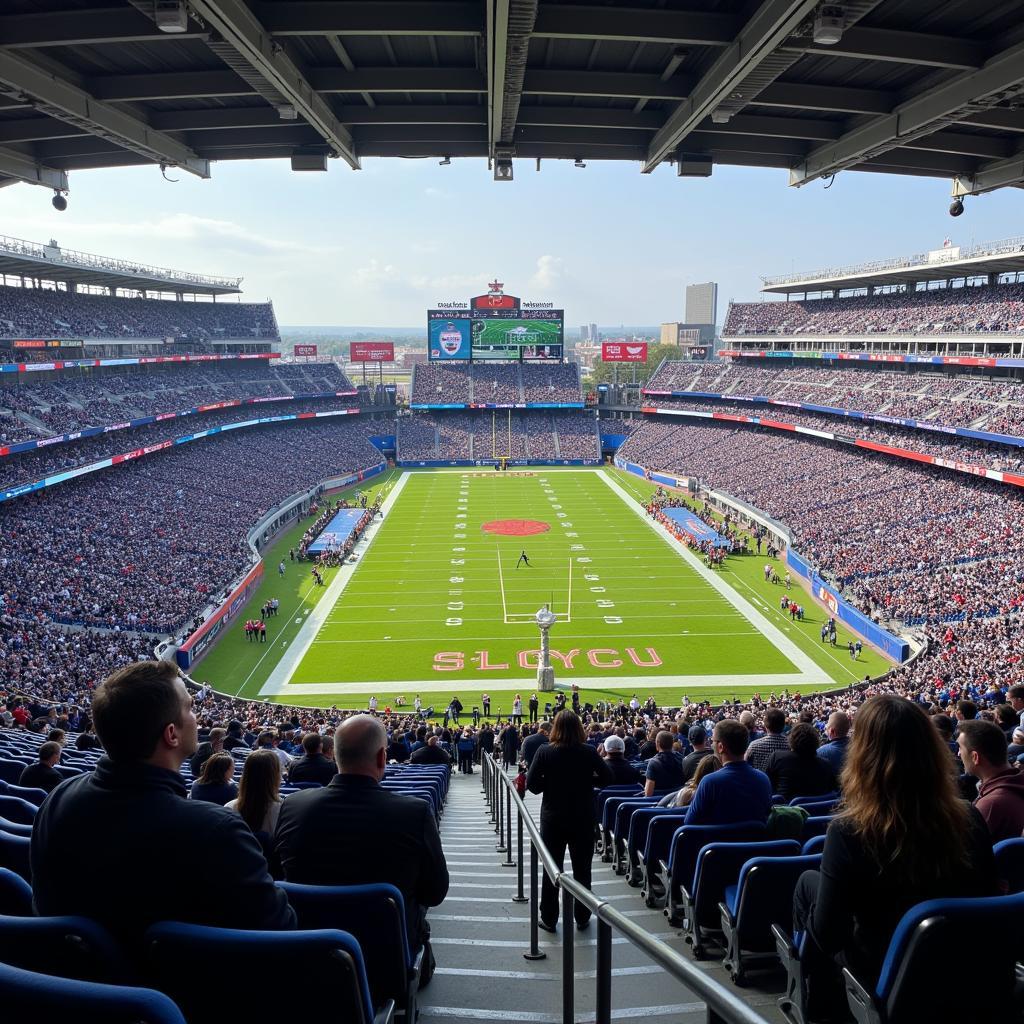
995, 308
48, 313
72, 400
939, 399
495, 383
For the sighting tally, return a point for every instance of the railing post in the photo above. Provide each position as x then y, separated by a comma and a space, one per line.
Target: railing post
499, 828
535, 950
519, 897
491, 799
568, 966
508, 862
604, 972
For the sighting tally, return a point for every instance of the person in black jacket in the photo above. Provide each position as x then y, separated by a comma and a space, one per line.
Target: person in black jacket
509, 743
148, 853
623, 773
566, 770
353, 831
904, 836
312, 766
799, 771
43, 774
535, 741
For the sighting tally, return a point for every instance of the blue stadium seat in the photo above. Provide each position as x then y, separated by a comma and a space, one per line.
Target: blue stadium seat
816, 844
829, 799
14, 854
719, 865
1010, 864
816, 808
660, 831
619, 831
375, 915
32, 795
10, 771
687, 842
15, 828
608, 812
636, 839
40, 997
13, 808
601, 795
762, 897
908, 989
15, 894
66, 947
205, 971
816, 825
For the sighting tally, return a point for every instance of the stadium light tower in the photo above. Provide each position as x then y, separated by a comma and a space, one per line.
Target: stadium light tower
546, 618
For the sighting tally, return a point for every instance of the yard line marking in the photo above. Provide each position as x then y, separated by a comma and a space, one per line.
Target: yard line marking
501, 578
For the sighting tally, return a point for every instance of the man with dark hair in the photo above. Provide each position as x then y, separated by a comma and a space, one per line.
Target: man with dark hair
760, 751
312, 766
665, 769
431, 753
43, 774
353, 831
534, 742
149, 853
698, 737
737, 791
1015, 698
1000, 787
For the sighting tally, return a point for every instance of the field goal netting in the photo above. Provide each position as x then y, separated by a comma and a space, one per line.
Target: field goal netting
517, 336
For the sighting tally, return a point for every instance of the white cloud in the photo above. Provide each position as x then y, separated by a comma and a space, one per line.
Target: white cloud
550, 272
375, 273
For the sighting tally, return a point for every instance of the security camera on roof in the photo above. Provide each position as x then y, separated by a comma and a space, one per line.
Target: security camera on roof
829, 22
170, 15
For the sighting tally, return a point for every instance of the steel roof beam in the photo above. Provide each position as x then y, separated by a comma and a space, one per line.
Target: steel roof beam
840, 99
88, 28
633, 25
377, 18
934, 108
216, 117
777, 127
455, 80
35, 129
899, 47
626, 85
25, 168
171, 85
60, 99
581, 117
770, 25
233, 20
992, 175
496, 46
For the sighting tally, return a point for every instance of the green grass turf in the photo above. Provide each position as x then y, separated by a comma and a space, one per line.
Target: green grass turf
392, 619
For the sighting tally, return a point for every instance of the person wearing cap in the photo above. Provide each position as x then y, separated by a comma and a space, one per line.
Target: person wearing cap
698, 737
623, 773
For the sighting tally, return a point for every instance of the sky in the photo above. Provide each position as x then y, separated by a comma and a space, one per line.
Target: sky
608, 244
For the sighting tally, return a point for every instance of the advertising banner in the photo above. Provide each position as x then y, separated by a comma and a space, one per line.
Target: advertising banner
304, 351
371, 352
623, 352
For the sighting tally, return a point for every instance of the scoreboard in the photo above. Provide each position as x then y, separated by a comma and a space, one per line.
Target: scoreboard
495, 326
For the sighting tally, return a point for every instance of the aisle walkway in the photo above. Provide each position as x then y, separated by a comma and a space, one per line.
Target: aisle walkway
480, 936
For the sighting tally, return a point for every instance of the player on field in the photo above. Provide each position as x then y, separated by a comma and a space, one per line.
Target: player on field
522, 559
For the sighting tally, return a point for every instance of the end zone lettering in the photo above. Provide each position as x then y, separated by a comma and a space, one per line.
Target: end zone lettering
604, 658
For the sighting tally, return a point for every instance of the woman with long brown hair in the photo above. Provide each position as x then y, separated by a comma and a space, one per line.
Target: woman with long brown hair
214, 783
566, 769
259, 796
903, 835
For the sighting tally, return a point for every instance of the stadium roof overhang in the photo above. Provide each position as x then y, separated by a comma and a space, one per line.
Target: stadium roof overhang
920, 87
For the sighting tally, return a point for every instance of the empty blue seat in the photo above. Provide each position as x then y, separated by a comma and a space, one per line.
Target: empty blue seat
636, 839
608, 812
375, 915
828, 799
816, 844
14, 854
718, 866
816, 825
761, 897
657, 847
31, 794
10, 770
816, 808
192, 963
1010, 864
907, 988
601, 795
619, 831
31, 996
66, 947
687, 842
13, 808
15, 894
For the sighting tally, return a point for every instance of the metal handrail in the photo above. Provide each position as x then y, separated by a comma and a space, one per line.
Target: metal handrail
723, 1005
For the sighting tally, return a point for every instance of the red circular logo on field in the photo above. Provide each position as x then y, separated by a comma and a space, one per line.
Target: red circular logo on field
515, 527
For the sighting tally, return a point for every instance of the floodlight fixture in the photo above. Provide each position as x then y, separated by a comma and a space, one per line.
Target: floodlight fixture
59, 201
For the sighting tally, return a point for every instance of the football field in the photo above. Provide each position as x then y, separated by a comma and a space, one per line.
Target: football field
440, 602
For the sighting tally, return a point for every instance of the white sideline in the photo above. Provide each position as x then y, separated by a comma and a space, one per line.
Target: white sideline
277, 681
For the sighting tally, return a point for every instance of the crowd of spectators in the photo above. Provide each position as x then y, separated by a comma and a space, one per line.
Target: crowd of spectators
70, 400
995, 308
495, 383
146, 545
903, 542
940, 399
478, 435
975, 453
47, 313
